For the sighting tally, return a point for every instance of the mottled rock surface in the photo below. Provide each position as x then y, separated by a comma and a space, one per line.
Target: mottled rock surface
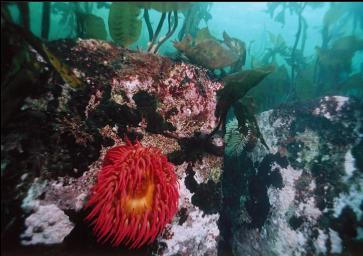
305, 195
51, 161
302, 197
48, 225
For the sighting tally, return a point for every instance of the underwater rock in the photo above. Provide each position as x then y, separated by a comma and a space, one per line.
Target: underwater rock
304, 196
195, 234
48, 225
58, 152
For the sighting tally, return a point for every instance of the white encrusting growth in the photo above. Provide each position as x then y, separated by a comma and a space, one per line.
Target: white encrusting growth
288, 241
322, 110
48, 225
336, 242
349, 163
199, 232
277, 235
30, 202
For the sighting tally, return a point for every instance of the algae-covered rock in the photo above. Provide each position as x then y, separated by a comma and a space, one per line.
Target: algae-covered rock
51, 161
304, 195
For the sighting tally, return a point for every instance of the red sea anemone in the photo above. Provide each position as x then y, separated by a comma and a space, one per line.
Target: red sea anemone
136, 195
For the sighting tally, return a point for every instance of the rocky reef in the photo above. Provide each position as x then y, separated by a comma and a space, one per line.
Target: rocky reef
302, 196
53, 148
305, 195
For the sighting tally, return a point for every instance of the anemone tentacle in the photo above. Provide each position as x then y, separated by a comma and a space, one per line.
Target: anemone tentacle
135, 197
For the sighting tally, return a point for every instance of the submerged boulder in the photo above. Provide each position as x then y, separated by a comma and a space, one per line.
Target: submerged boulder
51, 161
305, 195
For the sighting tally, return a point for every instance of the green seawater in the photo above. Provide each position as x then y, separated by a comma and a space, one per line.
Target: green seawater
316, 47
